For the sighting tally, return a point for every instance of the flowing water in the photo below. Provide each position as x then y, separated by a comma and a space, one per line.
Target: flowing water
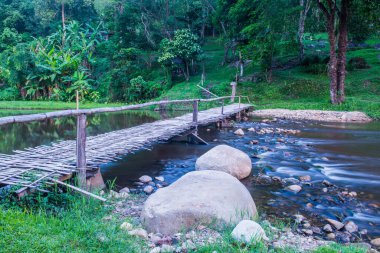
344, 154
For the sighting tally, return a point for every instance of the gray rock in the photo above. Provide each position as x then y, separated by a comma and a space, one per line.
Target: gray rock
145, 179
351, 227
148, 189
299, 218
307, 231
343, 237
338, 225
199, 197
331, 236
227, 159
125, 189
290, 180
327, 228
239, 132
155, 250
160, 178
305, 178
294, 188
248, 231
167, 248
376, 242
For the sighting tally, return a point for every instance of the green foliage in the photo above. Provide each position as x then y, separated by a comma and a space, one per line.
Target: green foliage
181, 51
9, 94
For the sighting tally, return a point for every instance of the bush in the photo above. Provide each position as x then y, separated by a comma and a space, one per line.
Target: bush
357, 63
9, 93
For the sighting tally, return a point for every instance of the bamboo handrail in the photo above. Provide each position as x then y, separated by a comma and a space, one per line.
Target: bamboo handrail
67, 113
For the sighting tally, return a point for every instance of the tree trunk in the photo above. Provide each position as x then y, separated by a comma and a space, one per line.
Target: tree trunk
227, 48
342, 50
301, 25
333, 60
187, 75
63, 14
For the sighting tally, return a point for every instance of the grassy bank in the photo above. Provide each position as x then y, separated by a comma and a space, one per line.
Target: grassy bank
62, 222
50, 105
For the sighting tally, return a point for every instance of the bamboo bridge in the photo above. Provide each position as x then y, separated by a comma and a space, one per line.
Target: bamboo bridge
54, 163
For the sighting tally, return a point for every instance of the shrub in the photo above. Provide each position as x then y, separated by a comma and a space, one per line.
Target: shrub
358, 63
9, 93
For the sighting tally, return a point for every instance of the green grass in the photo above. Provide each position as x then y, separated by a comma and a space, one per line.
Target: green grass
77, 228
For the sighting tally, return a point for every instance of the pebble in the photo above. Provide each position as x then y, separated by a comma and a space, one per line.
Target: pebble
324, 189
316, 230
331, 236
363, 232
327, 228
280, 140
353, 194
343, 237
294, 188
299, 218
126, 226
254, 142
239, 132
188, 245
338, 225
125, 189
351, 227
160, 178
290, 180
148, 189
139, 233
376, 242
309, 205
306, 225
145, 179
305, 178
307, 231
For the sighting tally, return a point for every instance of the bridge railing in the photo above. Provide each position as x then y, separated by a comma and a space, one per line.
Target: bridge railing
82, 122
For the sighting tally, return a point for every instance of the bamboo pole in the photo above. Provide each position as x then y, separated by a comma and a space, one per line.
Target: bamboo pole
81, 150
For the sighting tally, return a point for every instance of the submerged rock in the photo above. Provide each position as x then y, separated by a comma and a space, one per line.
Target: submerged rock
199, 197
227, 159
248, 231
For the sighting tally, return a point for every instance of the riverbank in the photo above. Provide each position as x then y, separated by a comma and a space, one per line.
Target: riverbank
316, 115
85, 225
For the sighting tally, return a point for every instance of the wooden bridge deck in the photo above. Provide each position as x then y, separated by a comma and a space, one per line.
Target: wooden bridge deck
29, 167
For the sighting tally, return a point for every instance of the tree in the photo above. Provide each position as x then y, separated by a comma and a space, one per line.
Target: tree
182, 50
304, 9
336, 14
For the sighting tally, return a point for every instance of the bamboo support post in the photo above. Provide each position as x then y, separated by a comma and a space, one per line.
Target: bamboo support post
81, 150
195, 111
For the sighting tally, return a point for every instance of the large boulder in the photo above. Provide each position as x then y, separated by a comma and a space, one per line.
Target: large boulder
199, 197
227, 159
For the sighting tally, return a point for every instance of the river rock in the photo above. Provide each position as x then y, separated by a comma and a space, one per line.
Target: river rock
290, 180
376, 242
248, 231
145, 179
148, 189
160, 178
343, 237
124, 190
327, 228
351, 227
199, 197
294, 188
227, 159
239, 132
331, 236
338, 225
305, 178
